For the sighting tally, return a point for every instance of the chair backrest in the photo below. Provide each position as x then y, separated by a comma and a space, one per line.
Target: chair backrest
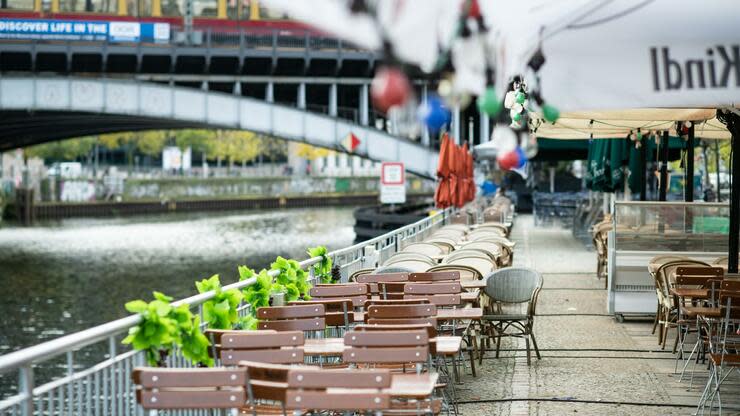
262, 346
401, 311
361, 390
665, 271
339, 312
434, 276
513, 285
197, 388
392, 325
357, 292
383, 347
409, 265
372, 280
427, 249
392, 269
404, 256
354, 275
473, 253
466, 269
440, 294
405, 322
292, 318
698, 275
721, 260
391, 302
447, 243
661, 259
265, 382
391, 290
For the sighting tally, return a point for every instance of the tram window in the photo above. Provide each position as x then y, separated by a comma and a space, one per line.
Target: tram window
17, 4
96, 6
173, 7
205, 8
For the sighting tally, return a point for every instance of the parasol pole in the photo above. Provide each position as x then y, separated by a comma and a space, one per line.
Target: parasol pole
663, 166
716, 167
643, 166
689, 183
732, 120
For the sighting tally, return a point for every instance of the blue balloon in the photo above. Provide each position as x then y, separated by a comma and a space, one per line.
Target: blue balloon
488, 188
522, 157
434, 114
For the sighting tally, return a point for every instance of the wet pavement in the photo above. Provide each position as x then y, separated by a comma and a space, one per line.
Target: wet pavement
591, 364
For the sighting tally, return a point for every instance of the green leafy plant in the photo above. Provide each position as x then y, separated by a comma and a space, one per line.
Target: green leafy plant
164, 327
291, 279
257, 294
220, 312
322, 270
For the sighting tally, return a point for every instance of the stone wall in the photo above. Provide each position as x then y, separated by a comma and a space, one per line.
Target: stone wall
194, 188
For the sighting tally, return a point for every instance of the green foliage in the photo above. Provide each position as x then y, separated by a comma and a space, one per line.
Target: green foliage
292, 278
257, 294
321, 270
247, 323
62, 150
220, 312
164, 327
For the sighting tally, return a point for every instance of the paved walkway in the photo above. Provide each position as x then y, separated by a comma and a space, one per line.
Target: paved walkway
591, 365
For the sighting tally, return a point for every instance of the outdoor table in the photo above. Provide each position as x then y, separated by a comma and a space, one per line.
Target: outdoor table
444, 314
334, 347
473, 284
682, 292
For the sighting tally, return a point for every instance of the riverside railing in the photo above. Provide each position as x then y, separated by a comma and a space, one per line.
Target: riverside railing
105, 388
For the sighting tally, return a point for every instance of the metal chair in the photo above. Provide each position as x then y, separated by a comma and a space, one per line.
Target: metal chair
512, 288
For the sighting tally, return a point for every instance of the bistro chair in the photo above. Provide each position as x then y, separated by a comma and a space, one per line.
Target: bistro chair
339, 312
444, 242
307, 318
263, 346
357, 292
190, 389
434, 276
372, 280
406, 256
353, 276
653, 265
511, 290
724, 344
431, 250
392, 269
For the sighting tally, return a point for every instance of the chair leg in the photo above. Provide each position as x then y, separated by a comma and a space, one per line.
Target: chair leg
529, 358
534, 344
498, 344
655, 321
473, 349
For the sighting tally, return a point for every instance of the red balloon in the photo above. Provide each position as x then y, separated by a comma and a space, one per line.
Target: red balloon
508, 160
390, 87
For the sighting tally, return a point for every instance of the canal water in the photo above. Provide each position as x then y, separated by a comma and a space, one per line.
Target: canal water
70, 275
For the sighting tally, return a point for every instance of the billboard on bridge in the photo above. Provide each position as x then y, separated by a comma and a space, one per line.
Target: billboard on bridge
40, 29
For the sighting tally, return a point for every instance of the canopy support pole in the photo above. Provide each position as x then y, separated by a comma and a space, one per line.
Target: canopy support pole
663, 166
716, 167
689, 180
732, 121
643, 166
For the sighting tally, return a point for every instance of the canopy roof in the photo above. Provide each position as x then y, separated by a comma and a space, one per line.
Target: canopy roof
620, 123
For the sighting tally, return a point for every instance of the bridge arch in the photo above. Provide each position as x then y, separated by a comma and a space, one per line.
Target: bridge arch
62, 107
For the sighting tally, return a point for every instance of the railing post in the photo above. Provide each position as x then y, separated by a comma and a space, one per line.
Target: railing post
27, 385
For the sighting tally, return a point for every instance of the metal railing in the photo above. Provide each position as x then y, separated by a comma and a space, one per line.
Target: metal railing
105, 388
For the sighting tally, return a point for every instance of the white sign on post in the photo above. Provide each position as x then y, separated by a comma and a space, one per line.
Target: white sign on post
392, 183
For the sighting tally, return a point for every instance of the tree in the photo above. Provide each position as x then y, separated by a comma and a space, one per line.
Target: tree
309, 152
62, 150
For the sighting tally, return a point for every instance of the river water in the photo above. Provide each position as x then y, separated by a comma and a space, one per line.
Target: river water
70, 275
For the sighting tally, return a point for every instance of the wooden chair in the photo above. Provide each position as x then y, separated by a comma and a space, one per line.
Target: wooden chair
357, 292
434, 276
372, 280
197, 388
401, 311
440, 294
266, 386
261, 346
322, 390
354, 275
339, 312
292, 318
653, 265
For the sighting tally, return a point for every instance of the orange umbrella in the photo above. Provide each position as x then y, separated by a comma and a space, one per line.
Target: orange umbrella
468, 178
455, 174
442, 193
471, 175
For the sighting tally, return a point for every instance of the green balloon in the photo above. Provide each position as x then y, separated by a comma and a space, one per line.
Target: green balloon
516, 117
521, 97
550, 113
488, 103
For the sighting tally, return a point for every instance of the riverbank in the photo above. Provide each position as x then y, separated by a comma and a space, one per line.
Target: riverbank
42, 211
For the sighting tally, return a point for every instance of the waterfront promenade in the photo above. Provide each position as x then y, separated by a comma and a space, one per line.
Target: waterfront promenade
591, 364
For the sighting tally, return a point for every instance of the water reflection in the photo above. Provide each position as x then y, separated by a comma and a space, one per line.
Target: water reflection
63, 277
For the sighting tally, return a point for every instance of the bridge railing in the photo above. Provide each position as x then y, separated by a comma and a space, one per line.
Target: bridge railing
105, 387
